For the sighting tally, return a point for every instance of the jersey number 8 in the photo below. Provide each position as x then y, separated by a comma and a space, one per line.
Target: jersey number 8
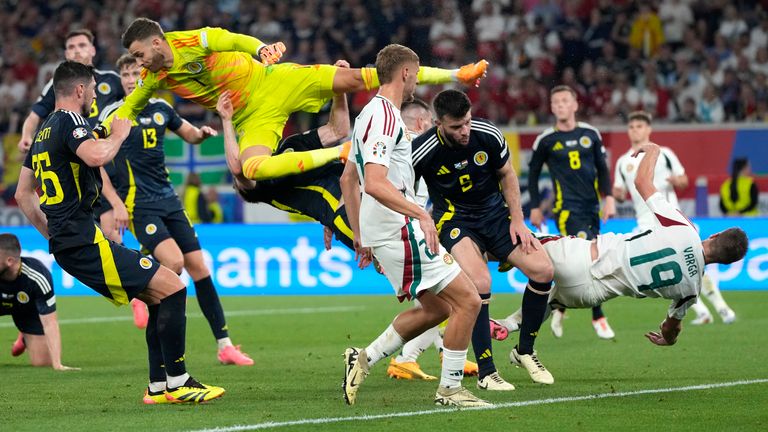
574, 159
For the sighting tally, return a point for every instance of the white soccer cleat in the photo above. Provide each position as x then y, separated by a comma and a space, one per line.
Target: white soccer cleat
703, 319
539, 374
603, 329
557, 323
727, 315
458, 397
494, 382
355, 372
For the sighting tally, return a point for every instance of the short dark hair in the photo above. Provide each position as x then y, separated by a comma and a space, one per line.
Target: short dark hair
392, 57
452, 103
9, 244
68, 74
78, 32
563, 88
639, 115
125, 60
140, 29
728, 246
414, 104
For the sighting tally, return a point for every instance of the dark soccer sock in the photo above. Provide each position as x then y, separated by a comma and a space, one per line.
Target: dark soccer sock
210, 304
481, 340
156, 368
534, 308
171, 330
597, 313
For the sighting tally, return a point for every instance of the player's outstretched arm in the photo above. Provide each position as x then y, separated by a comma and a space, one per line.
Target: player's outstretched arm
29, 202
194, 135
231, 150
53, 340
338, 124
645, 172
219, 39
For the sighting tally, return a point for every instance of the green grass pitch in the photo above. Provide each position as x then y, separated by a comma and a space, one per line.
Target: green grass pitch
297, 344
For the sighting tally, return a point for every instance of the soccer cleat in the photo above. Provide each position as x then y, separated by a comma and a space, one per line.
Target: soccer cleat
458, 397
407, 370
470, 368
498, 330
140, 314
355, 372
727, 315
504, 267
193, 392
232, 355
344, 151
19, 346
703, 319
471, 74
557, 323
603, 329
270, 54
494, 382
537, 371
154, 398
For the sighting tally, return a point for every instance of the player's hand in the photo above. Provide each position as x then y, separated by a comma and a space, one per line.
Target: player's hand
342, 64
327, 237
121, 217
517, 229
537, 217
224, 106
609, 208
363, 255
65, 368
270, 54
24, 144
121, 127
207, 132
656, 338
646, 148
430, 233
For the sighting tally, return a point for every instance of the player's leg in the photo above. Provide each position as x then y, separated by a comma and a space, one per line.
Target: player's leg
470, 259
107, 223
37, 347
711, 290
405, 365
703, 316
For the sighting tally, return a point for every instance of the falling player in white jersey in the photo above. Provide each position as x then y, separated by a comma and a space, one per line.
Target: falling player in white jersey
388, 224
667, 260
669, 175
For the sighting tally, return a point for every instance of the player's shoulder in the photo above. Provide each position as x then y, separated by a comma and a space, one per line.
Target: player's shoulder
37, 272
191, 39
426, 143
486, 130
624, 157
66, 118
544, 137
109, 109
588, 127
106, 74
159, 103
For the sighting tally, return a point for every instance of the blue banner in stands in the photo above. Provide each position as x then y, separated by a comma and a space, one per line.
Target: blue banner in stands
290, 260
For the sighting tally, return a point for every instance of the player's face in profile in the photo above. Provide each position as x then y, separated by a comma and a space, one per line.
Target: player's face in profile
89, 97
456, 130
147, 54
129, 74
563, 105
411, 80
80, 49
638, 131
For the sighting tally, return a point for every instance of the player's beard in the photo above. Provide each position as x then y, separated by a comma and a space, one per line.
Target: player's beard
85, 110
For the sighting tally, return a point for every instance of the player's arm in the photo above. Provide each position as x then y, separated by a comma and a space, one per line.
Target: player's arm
350, 192
670, 329
645, 172
231, 149
28, 200
120, 213
604, 179
53, 340
96, 152
619, 183
538, 157
510, 188
134, 103
337, 127
678, 179
42, 107
192, 134
218, 39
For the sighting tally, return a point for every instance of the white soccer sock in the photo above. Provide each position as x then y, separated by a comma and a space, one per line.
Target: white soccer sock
224, 342
177, 381
700, 308
156, 386
453, 368
414, 347
711, 289
386, 344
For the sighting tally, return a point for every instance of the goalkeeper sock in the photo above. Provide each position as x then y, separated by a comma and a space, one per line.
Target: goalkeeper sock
426, 75
263, 167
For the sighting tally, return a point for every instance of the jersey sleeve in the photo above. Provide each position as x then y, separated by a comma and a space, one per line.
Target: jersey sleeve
75, 130
45, 299
28, 160
45, 103
174, 119
134, 102
666, 214
495, 143
675, 166
678, 308
380, 140
218, 39
538, 157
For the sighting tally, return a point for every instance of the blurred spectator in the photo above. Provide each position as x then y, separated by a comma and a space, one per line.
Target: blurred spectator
732, 25
739, 193
676, 15
266, 27
686, 113
646, 34
194, 200
214, 206
597, 34
710, 109
489, 29
624, 97
447, 35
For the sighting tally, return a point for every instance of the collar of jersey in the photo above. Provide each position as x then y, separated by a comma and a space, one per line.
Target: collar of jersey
388, 101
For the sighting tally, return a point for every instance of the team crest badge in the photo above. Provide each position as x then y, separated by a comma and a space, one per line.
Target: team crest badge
379, 149
585, 142
150, 229
80, 132
581, 235
159, 119
22, 297
195, 67
145, 263
454, 233
448, 259
104, 88
481, 158
630, 168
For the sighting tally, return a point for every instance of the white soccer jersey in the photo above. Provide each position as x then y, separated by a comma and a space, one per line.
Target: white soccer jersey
626, 170
665, 261
380, 137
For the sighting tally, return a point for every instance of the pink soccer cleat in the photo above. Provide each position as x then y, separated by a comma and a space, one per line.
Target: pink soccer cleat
498, 331
140, 314
19, 346
233, 355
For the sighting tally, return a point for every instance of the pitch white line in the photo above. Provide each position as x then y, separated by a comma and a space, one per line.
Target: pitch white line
255, 312
320, 421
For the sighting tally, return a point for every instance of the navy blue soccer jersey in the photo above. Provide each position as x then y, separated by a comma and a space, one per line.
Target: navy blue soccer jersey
577, 165
108, 90
31, 292
69, 185
462, 180
140, 175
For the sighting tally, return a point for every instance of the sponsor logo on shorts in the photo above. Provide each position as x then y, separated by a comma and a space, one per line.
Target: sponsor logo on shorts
22, 297
159, 118
585, 142
145, 263
481, 158
448, 259
104, 88
80, 132
150, 229
455, 233
581, 234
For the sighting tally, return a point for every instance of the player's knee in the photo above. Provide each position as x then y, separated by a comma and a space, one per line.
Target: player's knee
175, 264
483, 284
542, 271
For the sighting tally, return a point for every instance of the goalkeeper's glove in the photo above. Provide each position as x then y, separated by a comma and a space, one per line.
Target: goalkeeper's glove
270, 54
